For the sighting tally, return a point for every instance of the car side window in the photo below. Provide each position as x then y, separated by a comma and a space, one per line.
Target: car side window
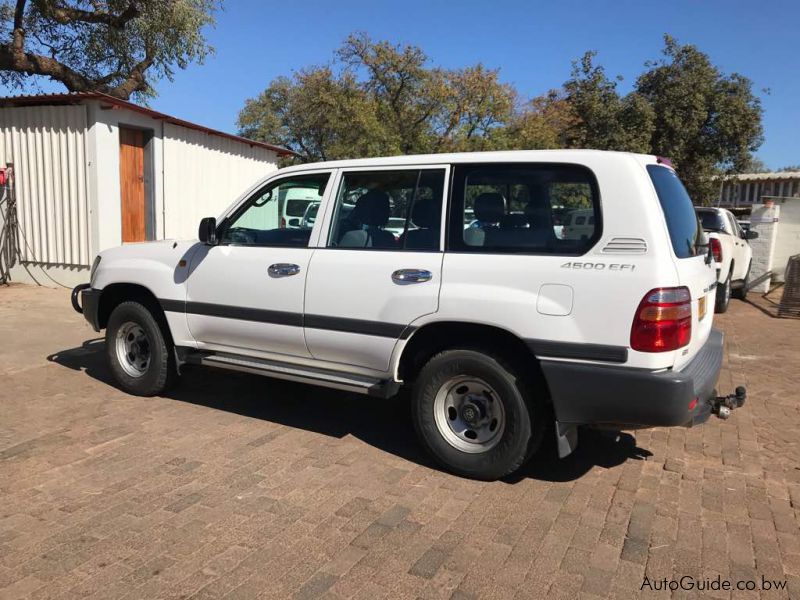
389, 210
535, 208
276, 215
735, 229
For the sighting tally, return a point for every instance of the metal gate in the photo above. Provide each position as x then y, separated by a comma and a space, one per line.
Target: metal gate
790, 300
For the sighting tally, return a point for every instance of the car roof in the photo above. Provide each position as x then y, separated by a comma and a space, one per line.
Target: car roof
567, 156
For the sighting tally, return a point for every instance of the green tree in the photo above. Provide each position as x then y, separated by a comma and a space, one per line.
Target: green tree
113, 46
707, 122
605, 120
379, 98
405, 92
474, 103
756, 165
317, 114
541, 123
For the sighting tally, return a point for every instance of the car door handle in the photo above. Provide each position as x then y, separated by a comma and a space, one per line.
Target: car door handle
404, 276
283, 269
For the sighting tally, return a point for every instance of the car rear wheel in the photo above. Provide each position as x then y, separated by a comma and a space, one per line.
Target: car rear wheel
740, 293
723, 295
140, 357
475, 414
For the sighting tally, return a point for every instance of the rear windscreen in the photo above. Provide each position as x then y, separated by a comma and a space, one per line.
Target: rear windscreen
711, 220
297, 208
679, 213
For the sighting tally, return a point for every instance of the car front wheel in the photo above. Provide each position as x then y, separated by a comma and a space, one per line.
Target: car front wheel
140, 357
473, 413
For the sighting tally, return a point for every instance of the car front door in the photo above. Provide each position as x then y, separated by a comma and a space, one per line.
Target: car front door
366, 283
245, 293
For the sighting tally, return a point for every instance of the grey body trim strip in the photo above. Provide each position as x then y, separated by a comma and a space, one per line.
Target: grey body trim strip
360, 326
550, 349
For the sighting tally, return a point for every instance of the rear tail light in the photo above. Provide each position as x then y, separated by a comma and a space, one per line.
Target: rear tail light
716, 249
663, 320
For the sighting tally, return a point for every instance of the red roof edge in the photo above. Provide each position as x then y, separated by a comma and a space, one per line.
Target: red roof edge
77, 97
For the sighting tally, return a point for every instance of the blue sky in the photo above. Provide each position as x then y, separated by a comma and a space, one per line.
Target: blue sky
531, 42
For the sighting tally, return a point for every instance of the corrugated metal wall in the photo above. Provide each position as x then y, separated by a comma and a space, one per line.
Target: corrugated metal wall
203, 174
46, 145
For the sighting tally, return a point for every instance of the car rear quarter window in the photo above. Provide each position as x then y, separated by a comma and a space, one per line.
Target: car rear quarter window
525, 208
682, 222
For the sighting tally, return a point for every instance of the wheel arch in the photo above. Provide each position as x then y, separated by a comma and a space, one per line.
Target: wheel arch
434, 337
115, 294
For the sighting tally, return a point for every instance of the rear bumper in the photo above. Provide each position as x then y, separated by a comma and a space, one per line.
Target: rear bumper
590, 394
86, 301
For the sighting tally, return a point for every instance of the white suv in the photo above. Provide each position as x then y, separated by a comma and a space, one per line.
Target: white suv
500, 329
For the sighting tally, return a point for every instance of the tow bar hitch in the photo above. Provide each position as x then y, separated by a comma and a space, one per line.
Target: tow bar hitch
722, 406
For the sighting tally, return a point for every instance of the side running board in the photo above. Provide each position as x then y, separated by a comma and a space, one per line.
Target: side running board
381, 388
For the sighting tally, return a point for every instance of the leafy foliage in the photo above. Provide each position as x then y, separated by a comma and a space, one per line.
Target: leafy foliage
378, 98
706, 122
113, 46
606, 120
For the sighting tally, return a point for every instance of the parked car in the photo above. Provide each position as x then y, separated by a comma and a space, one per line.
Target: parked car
731, 251
504, 334
578, 224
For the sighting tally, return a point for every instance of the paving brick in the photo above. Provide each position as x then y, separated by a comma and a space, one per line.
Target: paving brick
429, 563
234, 486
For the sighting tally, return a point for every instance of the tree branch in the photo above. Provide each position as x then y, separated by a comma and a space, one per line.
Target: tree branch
18, 37
135, 82
67, 14
12, 59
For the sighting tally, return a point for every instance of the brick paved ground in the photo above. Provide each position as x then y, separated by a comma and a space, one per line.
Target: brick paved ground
238, 487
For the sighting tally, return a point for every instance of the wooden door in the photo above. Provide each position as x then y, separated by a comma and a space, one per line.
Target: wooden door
131, 180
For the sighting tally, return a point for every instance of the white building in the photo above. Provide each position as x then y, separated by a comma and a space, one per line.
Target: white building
92, 172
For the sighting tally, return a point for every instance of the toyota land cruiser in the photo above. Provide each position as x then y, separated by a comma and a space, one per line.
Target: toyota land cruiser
497, 320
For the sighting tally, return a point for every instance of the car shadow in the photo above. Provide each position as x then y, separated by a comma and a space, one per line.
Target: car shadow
382, 423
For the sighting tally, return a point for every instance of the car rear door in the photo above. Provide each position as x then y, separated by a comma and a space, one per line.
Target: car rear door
690, 255
365, 284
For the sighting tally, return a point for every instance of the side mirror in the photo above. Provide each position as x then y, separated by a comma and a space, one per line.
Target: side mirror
294, 222
207, 232
750, 235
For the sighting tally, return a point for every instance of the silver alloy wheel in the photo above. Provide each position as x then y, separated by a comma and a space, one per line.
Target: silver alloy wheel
133, 349
469, 414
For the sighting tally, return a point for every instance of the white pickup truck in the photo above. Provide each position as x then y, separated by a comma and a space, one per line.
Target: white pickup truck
731, 251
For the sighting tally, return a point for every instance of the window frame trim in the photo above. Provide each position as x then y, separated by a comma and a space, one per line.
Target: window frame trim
453, 203
239, 207
326, 231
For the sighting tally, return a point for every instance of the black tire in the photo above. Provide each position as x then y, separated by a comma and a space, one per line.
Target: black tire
160, 372
723, 295
740, 293
522, 421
